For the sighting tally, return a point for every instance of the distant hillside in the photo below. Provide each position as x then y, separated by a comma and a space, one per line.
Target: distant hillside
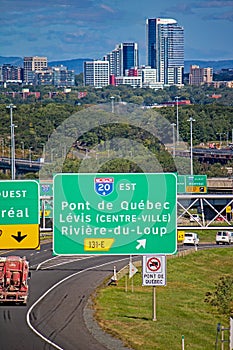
77, 63
216, 65
74, 64
15, 61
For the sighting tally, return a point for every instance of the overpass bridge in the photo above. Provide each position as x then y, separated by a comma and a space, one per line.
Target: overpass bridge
215, 211
204, 155
209, 155
22, 166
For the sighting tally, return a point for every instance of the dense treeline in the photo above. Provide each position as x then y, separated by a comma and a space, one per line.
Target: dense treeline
35, 121
145, 96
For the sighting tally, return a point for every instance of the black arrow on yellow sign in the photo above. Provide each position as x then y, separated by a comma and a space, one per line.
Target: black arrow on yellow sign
19, 237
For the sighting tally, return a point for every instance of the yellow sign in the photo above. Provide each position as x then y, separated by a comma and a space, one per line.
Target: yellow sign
98, 244
19, 236
180, 235
46, 213
196, 189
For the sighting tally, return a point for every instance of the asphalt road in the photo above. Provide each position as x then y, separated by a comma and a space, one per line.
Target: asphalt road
56, 316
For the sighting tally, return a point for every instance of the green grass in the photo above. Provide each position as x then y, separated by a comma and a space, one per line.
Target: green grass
180, 306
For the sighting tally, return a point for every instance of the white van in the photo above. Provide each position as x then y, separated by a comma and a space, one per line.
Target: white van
195, 217
224, 237
191, 238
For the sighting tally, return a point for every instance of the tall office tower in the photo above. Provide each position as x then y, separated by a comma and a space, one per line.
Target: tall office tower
165, 49
129, 56
33, 64
122, 58
96, 73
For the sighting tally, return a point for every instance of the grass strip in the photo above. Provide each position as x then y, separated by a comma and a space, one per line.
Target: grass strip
180, 306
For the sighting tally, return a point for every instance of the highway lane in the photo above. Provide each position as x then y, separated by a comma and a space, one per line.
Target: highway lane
59, 315
14, 333
34, 256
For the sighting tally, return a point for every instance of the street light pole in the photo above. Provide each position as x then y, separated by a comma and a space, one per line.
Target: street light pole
22, 149
2, 144
177, 120
30, 156
220, 138
173, 139
191, 120
11, 106
112, 101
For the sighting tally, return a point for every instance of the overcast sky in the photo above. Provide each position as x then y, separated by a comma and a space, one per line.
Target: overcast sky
67, 29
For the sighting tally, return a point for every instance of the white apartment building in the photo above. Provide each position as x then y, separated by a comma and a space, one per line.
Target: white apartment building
96, 73
135, 82
148, 75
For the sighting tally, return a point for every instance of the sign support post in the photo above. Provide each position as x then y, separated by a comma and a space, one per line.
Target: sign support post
154, 304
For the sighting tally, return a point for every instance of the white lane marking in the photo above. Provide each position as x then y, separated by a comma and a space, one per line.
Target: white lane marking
45, 261
61, 262
53, 287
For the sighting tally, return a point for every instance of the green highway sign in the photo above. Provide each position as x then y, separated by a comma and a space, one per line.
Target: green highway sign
114, 214
19, 215
181, 184
46, 192
192, 184
196, 183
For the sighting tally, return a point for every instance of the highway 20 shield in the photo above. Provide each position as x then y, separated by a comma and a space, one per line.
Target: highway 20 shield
104, 185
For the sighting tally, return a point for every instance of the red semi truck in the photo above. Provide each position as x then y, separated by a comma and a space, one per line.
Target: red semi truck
14, 274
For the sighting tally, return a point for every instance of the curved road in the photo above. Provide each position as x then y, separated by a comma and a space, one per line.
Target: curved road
55, 309
56, 316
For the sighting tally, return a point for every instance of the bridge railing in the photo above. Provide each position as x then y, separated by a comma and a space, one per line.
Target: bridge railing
214, 211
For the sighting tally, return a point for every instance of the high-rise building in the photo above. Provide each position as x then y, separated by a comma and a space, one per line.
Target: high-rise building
63, 76
33, 64
165, 49
200, 76
96, 73
114, 59
122, 58
11, 73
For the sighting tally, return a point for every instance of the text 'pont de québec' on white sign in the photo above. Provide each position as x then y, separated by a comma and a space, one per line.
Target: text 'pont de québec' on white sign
154, 270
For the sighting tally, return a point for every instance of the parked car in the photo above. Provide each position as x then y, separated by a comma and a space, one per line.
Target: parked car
221, 218
191, 238
195, 217
224, 237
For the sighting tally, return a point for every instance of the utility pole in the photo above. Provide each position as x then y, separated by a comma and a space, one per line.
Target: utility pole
11, 106
191, 120
177, 120
173, 139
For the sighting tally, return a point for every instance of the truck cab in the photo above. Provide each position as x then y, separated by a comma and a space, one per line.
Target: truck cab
14, 274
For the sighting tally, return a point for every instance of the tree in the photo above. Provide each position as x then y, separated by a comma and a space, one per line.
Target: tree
222, 297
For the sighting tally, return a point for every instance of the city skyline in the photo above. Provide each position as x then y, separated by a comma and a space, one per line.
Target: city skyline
67, 29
